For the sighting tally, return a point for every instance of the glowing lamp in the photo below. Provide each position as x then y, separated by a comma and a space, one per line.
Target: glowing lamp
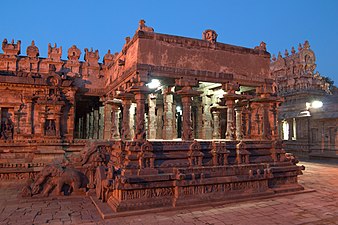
155, 83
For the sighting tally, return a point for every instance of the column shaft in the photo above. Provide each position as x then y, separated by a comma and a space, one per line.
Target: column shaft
216, 134
239, 133
152, 120
126, 103
230, 119
187, 130
140, 131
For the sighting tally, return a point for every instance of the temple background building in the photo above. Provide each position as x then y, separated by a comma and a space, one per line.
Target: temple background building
308, 116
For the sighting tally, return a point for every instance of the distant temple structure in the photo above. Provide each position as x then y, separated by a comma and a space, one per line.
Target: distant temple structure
308, 116
168, 121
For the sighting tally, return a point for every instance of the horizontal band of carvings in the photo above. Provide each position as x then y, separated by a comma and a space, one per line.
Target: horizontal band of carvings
198, 44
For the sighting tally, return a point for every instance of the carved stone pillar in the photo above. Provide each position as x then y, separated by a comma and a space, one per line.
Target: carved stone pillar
168, 116
187, 129
96, 124
70, 121
206, 118
87, 134
159, 122
230, 98
239, 134
132, 111
249, 121
115, 111
107, 121
186, 94
230, 132
216, 132
57, 125
140, 131
174, 121
91, 124
275, 122
266, 122
29, 111
126, 103
290, 122
152, 120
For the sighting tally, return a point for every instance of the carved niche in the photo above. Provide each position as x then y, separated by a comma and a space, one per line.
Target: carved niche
242, 155
219, 153
146, 156
195, 155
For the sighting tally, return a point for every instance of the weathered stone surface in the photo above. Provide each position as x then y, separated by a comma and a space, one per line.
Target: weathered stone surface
53, 110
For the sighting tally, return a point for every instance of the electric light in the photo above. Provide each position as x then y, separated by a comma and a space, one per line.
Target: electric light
155, 83
316, 104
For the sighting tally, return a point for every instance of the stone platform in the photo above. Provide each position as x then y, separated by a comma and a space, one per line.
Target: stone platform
165, 174
319, 207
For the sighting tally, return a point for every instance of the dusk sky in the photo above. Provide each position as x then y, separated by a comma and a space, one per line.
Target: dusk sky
103, 25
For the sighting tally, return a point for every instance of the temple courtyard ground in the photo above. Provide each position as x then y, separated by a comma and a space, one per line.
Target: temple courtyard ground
311, 207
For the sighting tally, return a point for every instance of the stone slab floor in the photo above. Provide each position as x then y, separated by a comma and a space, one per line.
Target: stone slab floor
319, 207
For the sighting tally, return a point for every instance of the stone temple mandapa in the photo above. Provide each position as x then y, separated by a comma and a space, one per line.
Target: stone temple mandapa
168, 121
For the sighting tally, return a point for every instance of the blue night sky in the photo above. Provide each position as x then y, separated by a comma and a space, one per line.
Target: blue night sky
103, 25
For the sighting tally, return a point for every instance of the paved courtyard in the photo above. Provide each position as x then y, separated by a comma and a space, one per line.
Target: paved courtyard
319, 207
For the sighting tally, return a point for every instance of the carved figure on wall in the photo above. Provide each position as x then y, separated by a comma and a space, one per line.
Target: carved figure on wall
140, 133
210, 35
7, 129
50, 129
54, 53
32, 51
195, 155
56, 176
104, 182
11, 48
143, 27
262, 47
108, 58
91, 57
74, 53
146, 156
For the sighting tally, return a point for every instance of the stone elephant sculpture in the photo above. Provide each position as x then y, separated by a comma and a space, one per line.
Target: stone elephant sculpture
58, 177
